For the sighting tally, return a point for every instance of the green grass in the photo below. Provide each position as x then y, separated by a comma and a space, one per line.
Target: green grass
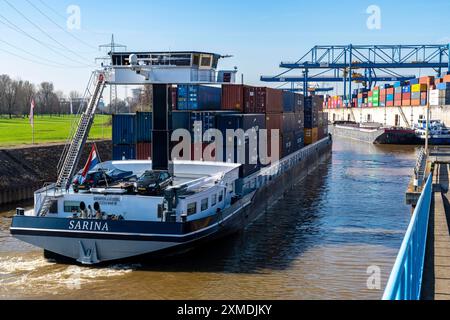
14, 132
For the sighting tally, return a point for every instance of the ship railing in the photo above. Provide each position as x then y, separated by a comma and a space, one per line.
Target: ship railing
265, 175
405, 281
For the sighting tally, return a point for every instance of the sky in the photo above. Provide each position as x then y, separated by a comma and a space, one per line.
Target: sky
259, 34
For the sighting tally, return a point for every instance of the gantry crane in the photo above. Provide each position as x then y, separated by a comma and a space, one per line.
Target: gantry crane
378, 62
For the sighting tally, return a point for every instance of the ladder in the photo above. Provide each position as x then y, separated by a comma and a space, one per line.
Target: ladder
404, 116
77, 139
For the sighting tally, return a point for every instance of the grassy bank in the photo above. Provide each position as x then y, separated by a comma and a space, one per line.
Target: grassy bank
47, 129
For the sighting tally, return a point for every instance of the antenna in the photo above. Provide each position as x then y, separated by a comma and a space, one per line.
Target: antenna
111, 49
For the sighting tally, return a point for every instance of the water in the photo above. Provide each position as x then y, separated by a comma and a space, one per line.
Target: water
317, 243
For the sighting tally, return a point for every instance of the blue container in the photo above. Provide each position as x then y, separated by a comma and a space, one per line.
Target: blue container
124, 129
406, 89
244, 122
390, 97
289, 101
443, 86
181, 120
398, 84
144, 126
199, 98
414, 81
127, 152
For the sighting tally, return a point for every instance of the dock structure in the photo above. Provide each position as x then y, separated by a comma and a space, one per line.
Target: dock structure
422, 268
436, 278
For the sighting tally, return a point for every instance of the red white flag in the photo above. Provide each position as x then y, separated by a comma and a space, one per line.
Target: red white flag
32, 113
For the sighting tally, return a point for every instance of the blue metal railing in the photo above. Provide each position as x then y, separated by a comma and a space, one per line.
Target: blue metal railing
405, 282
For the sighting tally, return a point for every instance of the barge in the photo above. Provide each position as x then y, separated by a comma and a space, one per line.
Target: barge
204, 201
375, 134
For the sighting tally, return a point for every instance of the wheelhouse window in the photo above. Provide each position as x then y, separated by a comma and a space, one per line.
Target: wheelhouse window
192, 208
221, 196
214, 200
205, 204
71, 206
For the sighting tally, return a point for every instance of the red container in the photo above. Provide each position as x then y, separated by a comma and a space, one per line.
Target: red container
397, 103
233, 97
269, 100
389, 103
415, 102
144, 151
274, 121
398, 96
250, 99
390, 91
406, 96
426, 80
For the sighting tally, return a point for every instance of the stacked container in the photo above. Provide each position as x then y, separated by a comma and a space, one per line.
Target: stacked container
124, 136
419, 94
199, 98
144, 127
313, 111
406, 95
398, 94
249, 123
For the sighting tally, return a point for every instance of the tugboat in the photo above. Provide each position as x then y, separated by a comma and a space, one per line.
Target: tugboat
203, 201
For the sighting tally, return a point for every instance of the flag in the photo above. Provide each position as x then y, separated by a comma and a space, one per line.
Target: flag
32, 112
93, 161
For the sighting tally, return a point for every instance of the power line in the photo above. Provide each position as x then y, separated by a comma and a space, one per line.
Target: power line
51, 9
27, 59
14, 27
50, 62
43, 31
57, 25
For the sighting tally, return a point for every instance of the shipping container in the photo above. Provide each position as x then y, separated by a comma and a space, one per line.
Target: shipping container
143, 151
269, 100
299, 140
289, 101
299, 104
443, 86
419, 88
251, 100
233, 97
243, 122
199, 98
208, 121
181, 120
144, 126
124, 129
311, 136
124, 152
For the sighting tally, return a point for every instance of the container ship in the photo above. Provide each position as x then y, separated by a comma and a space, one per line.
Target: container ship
146, 201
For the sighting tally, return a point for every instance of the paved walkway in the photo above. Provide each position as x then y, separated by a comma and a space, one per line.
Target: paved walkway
436, 282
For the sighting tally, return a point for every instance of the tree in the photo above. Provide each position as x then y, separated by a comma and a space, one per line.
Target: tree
10, 96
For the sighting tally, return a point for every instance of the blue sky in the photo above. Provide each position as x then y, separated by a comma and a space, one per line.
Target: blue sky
259, 34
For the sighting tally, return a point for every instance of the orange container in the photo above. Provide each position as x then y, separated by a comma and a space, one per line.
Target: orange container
311, 136
447, 78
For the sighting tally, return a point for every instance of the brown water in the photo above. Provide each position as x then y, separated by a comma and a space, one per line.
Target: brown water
316, 243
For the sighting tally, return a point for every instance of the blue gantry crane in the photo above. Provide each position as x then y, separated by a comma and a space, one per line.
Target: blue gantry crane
376, 62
